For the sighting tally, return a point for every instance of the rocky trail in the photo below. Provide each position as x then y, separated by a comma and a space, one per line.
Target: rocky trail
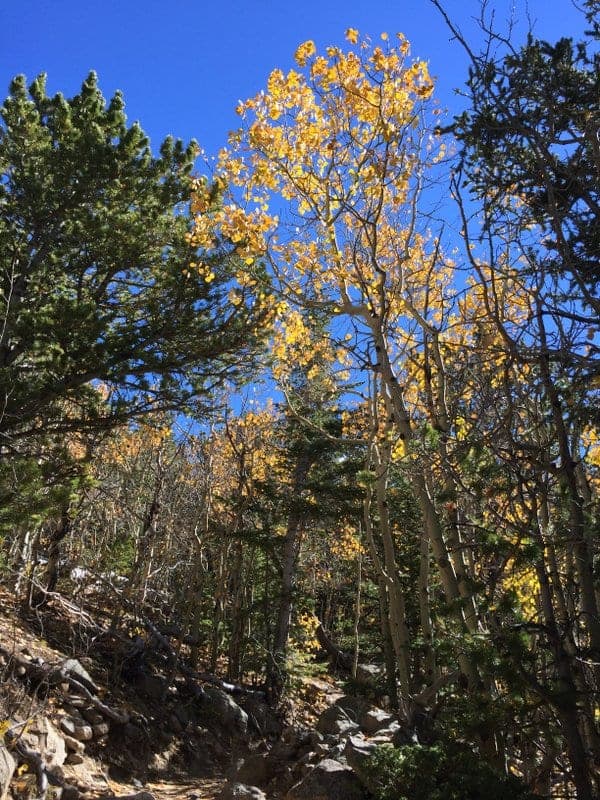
88, 712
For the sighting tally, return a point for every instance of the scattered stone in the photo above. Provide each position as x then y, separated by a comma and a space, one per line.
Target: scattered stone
368, 673
76, 670
74, 745
261, 716
255, 770
224, 710
42, 737
336, 721
356, 752
240, 791
328, 780
387, 734
374, 720
92, 715
354, 706
7, 769
78, 703
76, 728
70, 792
74, 758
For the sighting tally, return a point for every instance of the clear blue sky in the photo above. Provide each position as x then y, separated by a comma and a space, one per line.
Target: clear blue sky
183, 64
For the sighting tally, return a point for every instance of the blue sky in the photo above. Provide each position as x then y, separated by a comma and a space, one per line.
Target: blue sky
182, 66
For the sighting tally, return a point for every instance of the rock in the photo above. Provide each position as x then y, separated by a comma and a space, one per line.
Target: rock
255, 770
374, 720
334, 720
76, 728
223, 709
41, 736
404, 736
388, 733
356, 751
78, 703
368, 673
7, 769
92, 715
70, 792
328, 780
240, 791
354, 706
264, 719
73, 745
100, 730
74, 668
74, 758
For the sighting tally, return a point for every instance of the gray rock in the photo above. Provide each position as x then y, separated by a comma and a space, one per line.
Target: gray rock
92, 715
255, 770
388, 733
264, 719
368, 673
336, 721
100, 730
240, 791
404, 736
7, 769
76, 728
356, 751
73, 745
374, 720
76, 670
74, 758
41, 736
328, 780
223, 709
70, 792
354, 706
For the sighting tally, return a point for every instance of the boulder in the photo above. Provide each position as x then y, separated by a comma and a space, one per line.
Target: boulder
328, 780
41, 735
354, 705
7, 769
255, 770
70, 792
374, 720
356, 751
73, 745
76, 728
100, 730
240, 791
73, 758
220, 707
368, 673
92, 715
336, 721
262, 717
76, 670
387, 734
